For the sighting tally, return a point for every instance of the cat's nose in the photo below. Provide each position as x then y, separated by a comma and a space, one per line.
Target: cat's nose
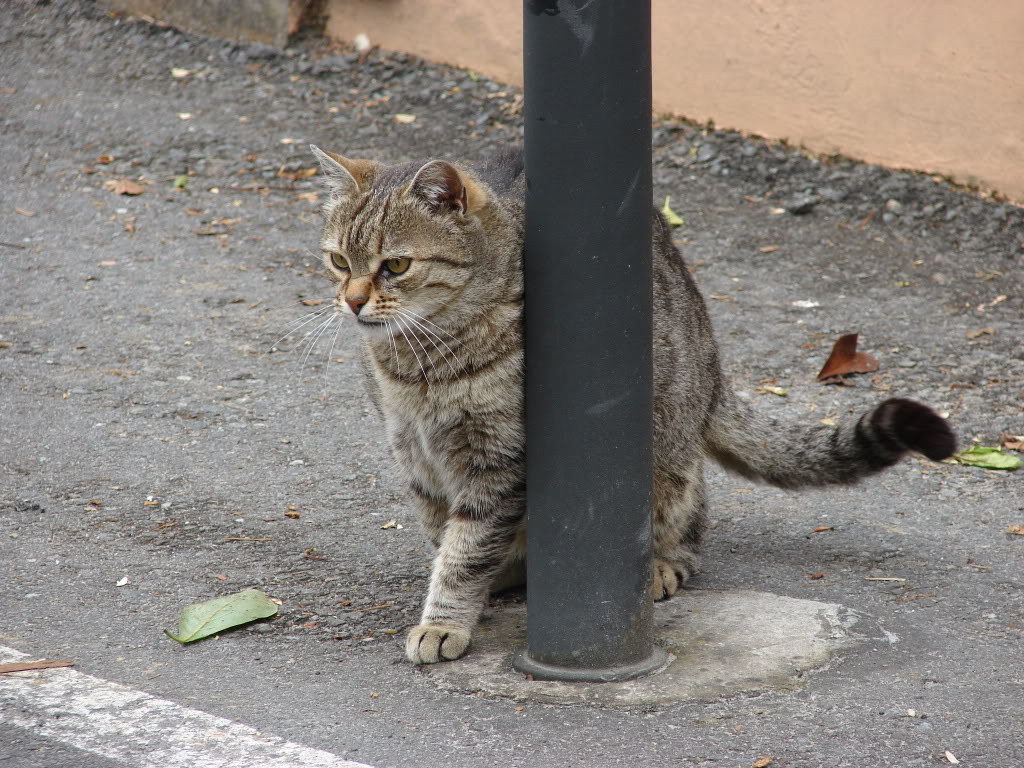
356, 303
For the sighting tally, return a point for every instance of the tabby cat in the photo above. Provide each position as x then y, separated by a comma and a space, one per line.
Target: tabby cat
428, 258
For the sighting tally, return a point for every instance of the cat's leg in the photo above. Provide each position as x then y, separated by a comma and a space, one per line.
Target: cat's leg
679, 522
476, 545
431, 509
513, 574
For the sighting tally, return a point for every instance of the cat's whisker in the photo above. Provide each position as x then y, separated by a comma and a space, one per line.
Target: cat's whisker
330, 351
320, 331
398, 322
299, 323
432, 324
394, 346
433, 338
412, 330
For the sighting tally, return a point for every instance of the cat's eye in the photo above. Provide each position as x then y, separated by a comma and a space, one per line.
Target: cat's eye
339, 261
397, 266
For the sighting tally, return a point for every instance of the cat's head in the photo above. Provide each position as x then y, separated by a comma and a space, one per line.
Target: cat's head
413, 242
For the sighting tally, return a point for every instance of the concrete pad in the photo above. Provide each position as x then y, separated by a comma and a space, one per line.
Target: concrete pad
720, 643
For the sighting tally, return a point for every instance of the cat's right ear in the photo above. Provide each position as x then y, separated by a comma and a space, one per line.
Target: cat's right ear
344, 176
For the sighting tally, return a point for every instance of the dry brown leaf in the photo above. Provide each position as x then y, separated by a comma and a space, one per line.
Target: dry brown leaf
981, 332
25, 666
124, 187
151, 503
846, 359
762, 762
818, 576
1013, 442
303, 173
1016, 530
105, 159
823, 528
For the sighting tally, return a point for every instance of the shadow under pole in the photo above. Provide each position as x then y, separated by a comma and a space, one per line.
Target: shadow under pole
589, 390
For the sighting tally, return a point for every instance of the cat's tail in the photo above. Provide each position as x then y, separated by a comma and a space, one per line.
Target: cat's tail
761, 448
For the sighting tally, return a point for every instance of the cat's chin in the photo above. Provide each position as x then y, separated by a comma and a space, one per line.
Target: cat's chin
375, 329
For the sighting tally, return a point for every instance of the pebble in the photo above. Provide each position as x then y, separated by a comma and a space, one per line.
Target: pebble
802, 204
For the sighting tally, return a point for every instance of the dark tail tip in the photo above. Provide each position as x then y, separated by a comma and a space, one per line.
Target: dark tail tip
917, 427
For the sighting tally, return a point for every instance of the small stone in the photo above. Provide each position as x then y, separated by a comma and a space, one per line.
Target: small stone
706, 153
802, 204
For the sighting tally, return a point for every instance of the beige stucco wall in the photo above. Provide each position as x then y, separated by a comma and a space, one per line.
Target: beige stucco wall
932, 85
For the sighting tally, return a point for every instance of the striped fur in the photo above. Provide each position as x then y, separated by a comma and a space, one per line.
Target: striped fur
444, 358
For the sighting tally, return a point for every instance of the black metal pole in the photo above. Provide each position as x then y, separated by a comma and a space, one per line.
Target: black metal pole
589, 388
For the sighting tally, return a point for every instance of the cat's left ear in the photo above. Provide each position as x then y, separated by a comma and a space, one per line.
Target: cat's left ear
344, 176
444, 188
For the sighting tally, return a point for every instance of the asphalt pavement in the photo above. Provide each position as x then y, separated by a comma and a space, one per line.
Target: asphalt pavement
159, 446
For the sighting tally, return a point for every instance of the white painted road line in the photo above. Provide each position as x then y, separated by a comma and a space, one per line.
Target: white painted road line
137, 729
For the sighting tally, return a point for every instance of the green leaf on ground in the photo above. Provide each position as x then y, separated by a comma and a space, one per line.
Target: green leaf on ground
988, 458
673, 218
180, 182
204, 619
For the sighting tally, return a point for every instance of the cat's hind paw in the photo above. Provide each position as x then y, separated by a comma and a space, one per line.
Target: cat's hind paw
431, 643
665, 580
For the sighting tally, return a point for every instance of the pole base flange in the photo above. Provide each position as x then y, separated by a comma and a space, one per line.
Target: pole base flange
539, 670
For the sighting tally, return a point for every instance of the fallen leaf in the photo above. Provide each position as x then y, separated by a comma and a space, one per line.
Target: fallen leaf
673, 218
823, 528
105, 159
818, 576
25, 666
769, 248
988, 457
293, 515
779, 391
204, 619
124, 187
23, 212
405, 119
846, 359
194, 212
180, 182
151, 503
392, 524
122, 581
762, 762
178, 73
1013, 442
303, 173
952, 758
997, 300
776, 211
1016, 530
981, 332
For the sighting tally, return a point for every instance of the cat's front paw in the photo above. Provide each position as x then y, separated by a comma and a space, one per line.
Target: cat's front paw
431, 643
